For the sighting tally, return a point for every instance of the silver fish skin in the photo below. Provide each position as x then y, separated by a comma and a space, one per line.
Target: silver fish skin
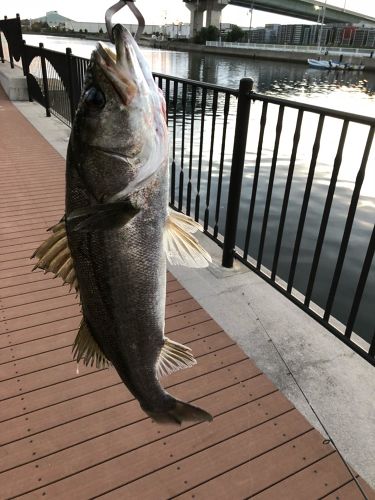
116, 211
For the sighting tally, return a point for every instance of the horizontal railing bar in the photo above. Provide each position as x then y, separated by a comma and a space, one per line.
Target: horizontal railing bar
366, 120
344, 115
196, 83
62, 54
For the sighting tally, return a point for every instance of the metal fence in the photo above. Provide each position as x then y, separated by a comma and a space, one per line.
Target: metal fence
249, 167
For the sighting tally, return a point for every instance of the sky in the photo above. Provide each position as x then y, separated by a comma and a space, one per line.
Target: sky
157, 11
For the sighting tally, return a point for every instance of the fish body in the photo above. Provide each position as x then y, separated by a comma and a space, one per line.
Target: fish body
116, 224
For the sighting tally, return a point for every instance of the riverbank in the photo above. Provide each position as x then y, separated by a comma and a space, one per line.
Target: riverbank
251, 53
247, 53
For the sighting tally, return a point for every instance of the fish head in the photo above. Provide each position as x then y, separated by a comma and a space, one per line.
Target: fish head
119, 135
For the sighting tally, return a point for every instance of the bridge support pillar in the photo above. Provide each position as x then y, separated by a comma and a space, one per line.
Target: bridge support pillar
197, 9
214, 8
196, 16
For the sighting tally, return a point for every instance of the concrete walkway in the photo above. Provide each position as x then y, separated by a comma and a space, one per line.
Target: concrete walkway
301, 357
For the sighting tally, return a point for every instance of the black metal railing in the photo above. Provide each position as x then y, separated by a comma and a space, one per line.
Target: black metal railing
11, 44
269, 180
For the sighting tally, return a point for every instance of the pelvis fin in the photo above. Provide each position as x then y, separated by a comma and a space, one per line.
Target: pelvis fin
173, 356
182, 248
54, 256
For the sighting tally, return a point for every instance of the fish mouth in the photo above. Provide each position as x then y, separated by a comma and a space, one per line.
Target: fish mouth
121, 69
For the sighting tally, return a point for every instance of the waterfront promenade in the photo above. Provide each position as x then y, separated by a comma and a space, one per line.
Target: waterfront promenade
81, 435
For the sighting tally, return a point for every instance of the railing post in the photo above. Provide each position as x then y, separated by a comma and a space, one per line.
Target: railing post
70, 90
1, 51
238, 160
9, 49
45, 80
26, 69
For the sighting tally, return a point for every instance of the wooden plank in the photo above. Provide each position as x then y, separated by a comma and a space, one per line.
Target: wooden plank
35, 347
351, 492
31, 287
259, 473
42, 360
15, 305
39, 318
59, 290
81, 384
145, 432
115, 409
173, 286
28, 236
311, 483
49, 471
18, 246
69, 321
173, 460
185, 387
31, 215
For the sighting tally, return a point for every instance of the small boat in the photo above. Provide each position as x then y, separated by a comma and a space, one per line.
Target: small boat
318, 64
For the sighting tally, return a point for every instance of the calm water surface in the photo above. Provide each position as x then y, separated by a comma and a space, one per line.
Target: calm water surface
349, 91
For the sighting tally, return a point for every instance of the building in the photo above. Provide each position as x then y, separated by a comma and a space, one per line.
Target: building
55, 20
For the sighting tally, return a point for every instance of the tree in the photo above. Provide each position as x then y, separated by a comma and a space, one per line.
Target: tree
210, 34
101, 31
235, 34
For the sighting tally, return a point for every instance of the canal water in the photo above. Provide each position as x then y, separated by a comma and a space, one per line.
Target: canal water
347, 91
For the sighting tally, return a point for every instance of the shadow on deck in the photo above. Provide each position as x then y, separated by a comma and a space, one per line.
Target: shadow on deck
69, 435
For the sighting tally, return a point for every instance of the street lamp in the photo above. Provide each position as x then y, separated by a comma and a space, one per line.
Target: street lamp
317, 7
251, 20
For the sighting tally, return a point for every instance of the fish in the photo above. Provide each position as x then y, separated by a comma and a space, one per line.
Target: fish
117, 233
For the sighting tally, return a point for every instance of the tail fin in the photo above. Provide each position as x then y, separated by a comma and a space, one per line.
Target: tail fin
180, 413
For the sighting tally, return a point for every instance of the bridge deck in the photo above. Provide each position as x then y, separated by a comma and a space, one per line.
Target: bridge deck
69, 435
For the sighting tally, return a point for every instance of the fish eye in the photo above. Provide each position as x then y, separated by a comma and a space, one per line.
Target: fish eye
94, 97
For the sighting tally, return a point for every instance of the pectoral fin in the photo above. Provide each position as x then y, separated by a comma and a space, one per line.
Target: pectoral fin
102, 217
173, 356
183, 249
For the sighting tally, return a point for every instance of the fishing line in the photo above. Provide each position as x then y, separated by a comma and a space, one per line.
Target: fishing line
330, 439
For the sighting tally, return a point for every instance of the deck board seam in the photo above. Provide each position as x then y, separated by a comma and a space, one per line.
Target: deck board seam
114, 457
68, 345
103, 369
114, 429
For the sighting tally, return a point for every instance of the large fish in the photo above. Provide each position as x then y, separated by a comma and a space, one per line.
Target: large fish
112, 243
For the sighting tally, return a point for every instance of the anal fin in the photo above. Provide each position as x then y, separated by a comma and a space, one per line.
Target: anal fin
87, 349
173, 357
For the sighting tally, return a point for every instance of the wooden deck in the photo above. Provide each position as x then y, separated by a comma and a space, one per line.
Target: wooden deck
80, 436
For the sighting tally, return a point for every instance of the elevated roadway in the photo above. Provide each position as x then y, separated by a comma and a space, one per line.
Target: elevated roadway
304, 9
301, 9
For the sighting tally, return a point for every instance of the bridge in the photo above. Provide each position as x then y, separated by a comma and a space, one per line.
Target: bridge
302, 9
